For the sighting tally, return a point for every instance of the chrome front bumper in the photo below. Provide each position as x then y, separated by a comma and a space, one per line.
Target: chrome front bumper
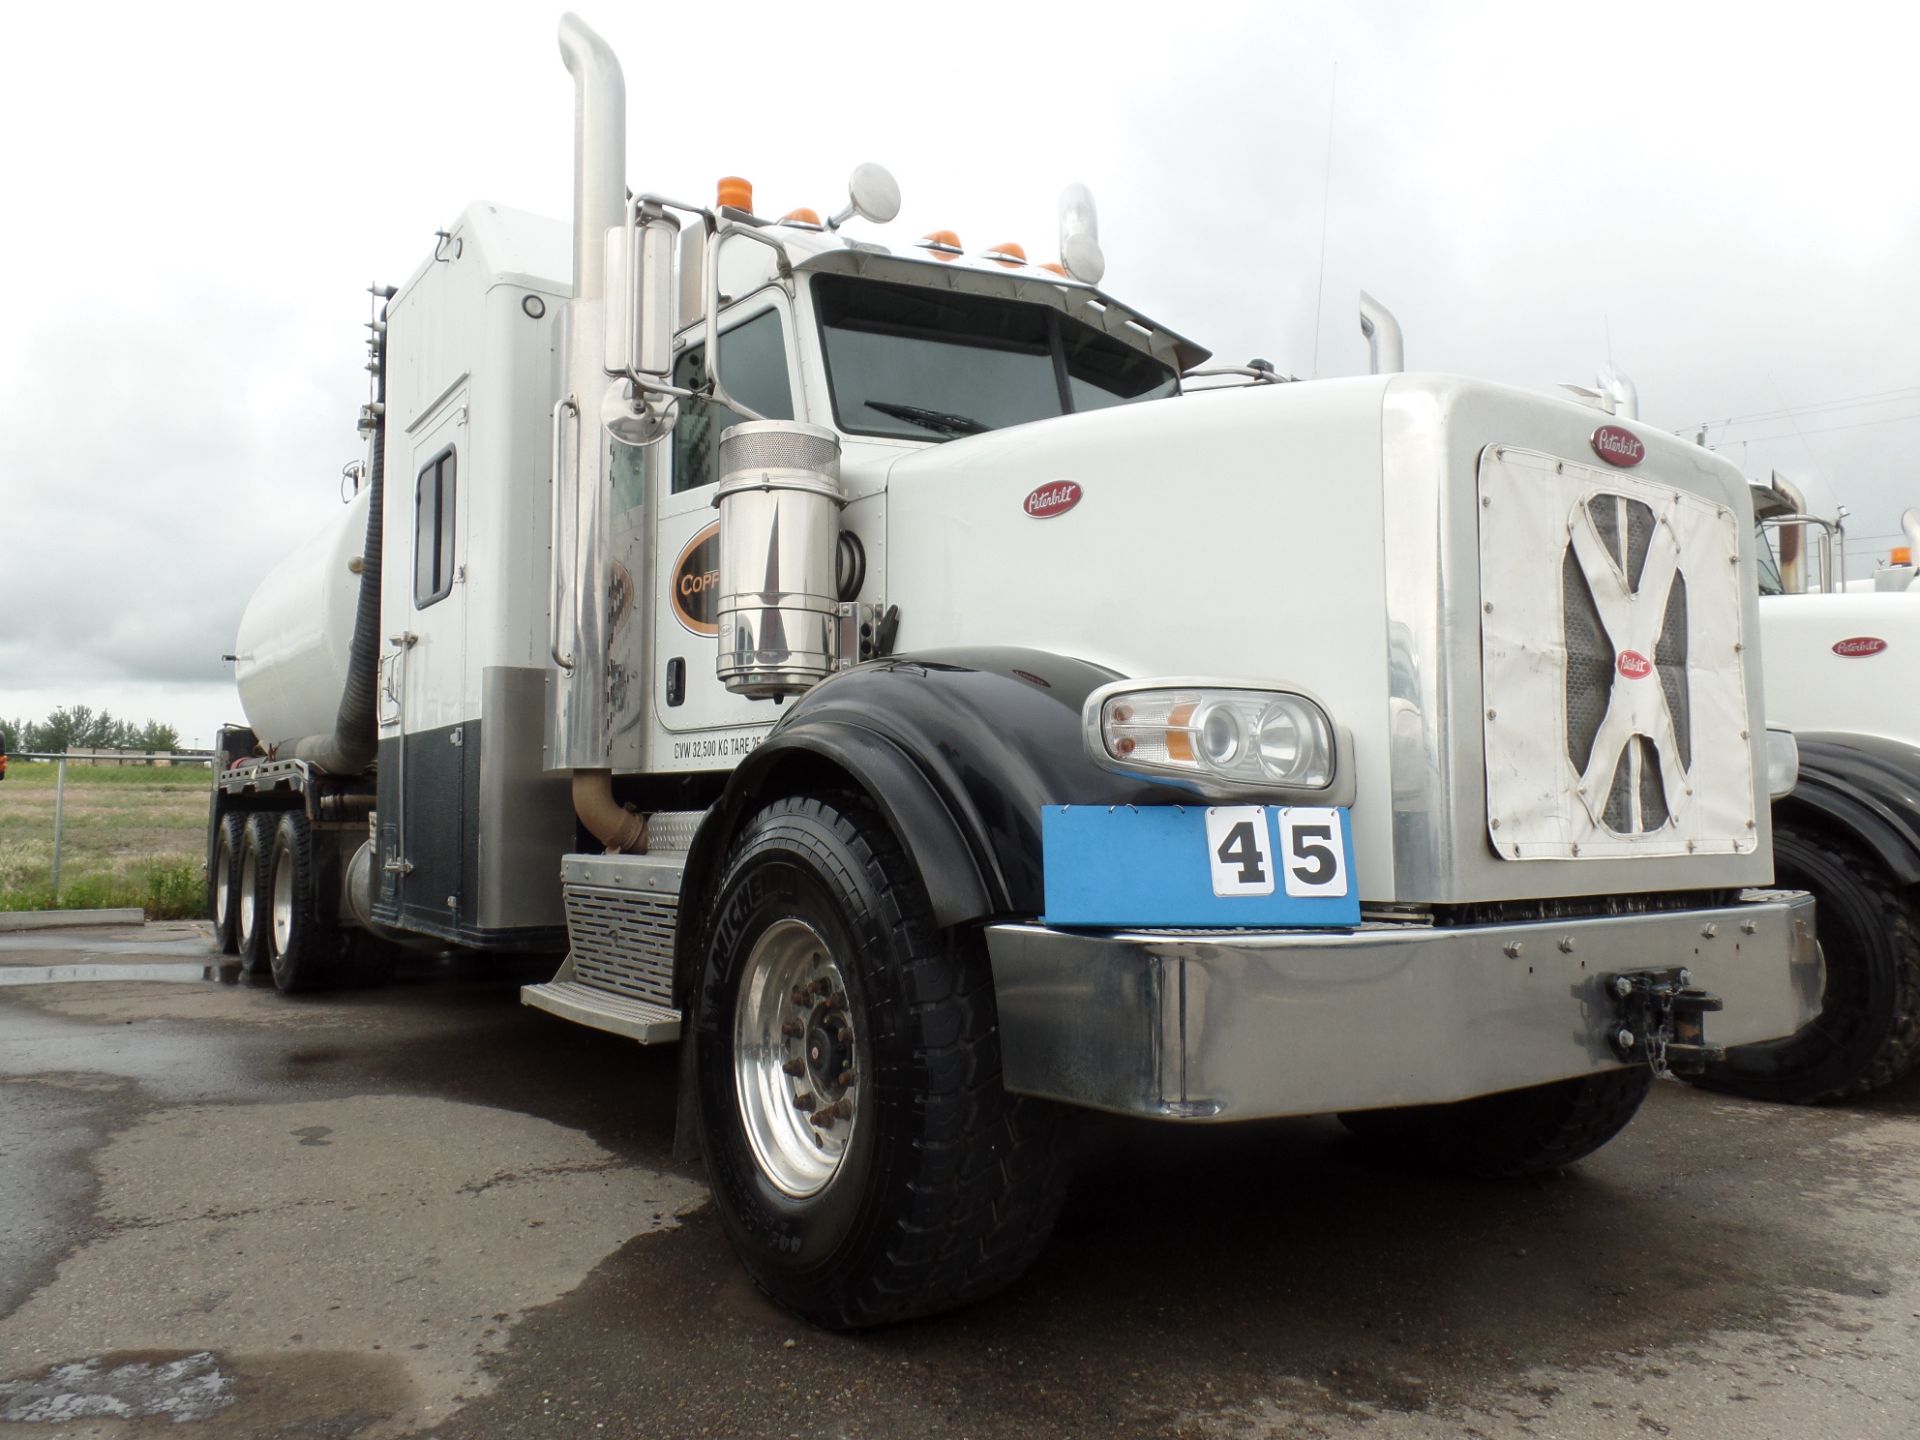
1236, 1025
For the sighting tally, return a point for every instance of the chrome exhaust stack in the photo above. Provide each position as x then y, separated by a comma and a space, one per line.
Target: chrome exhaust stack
580, 720
581, 732
1621, 395
1386, 349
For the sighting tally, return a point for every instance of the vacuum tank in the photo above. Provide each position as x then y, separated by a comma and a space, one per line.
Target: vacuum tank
295, 635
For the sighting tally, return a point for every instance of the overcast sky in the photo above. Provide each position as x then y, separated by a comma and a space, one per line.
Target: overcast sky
196, 197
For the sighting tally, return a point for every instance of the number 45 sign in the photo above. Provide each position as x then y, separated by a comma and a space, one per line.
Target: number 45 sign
1242, 843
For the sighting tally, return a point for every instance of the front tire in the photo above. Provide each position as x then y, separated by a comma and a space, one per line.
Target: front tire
1511, 1136
865, 1160
223, 881
1867, 1034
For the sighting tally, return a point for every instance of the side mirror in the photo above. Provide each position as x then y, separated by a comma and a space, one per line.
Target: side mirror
639, 292
872, 194
1080, 235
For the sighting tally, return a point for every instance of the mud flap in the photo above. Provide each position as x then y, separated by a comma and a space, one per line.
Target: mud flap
1660, 1019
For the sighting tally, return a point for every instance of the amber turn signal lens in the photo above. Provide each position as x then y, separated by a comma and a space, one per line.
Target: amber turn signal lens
944, 244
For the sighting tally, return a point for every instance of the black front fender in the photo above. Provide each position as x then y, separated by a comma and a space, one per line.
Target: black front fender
1865, 788
958, 750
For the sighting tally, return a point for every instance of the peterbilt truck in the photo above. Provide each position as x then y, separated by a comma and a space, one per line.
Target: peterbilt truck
874, 668
1842, 666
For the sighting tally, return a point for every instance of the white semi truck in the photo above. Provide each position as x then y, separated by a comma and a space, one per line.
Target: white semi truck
1841, 671
869, 669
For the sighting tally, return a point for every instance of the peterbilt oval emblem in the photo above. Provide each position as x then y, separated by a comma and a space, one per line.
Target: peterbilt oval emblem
1051, 500
695, 579
1634, 665
1859, 645
1618, 446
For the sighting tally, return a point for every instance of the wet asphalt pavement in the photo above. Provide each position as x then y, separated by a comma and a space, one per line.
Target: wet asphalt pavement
424, 1209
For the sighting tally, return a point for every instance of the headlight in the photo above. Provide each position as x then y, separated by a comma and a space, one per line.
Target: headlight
1783, 763
1222, 739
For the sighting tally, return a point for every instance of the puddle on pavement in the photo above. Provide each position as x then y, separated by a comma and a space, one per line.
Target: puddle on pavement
226, 973
189, 1388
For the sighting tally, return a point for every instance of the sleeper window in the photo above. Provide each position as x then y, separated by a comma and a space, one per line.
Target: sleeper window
433, 512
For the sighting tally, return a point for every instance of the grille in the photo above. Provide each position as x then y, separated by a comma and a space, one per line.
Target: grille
1635, 796
623, 941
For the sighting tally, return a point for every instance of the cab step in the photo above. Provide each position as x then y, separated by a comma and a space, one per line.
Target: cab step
604, 1010
622, 912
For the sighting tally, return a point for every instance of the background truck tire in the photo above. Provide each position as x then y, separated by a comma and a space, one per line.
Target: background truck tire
223, 881
944, 1187
301, 938
1868, 1031
254, 923
1510, 1136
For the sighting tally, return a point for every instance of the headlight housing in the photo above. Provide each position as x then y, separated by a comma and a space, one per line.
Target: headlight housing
1220, 739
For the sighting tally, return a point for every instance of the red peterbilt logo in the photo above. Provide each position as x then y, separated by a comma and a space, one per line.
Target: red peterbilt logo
1634, 665
1618, 446
1859, 645
1051, 500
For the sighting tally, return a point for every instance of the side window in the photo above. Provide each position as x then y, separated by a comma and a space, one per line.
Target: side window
754, 353
433, 512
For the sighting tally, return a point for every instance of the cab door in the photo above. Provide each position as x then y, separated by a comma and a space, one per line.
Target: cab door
709, 727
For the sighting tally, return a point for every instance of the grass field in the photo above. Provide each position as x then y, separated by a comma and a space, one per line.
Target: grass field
132, 836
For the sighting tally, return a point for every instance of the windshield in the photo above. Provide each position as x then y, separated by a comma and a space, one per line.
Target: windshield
907, 361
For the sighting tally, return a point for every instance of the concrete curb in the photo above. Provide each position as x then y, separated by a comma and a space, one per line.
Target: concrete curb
55, 919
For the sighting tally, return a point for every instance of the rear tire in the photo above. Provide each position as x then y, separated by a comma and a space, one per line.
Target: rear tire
827, 990
1511, 1136
1868, 1031
301, 939
253, 923
223, 881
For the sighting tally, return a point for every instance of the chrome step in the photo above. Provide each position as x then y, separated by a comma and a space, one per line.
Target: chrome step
604, 1010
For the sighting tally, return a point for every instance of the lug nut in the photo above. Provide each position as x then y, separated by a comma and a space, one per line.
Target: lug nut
845, 1035
792, 1029
823, 1120
793, 1067
803, 1100
846, 1078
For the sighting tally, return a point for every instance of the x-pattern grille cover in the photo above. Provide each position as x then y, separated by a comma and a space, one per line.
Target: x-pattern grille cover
1617, 717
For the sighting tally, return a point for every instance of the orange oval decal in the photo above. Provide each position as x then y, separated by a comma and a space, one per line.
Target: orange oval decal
695, 583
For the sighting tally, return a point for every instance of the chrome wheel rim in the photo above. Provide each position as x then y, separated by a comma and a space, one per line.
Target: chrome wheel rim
222, 883
248, 885
282, 902
795, 1077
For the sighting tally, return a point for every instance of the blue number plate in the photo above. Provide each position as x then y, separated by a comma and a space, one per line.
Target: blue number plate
1160, 865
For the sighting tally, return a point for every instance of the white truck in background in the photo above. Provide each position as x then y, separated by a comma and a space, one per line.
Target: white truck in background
868, 668
1842, 665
